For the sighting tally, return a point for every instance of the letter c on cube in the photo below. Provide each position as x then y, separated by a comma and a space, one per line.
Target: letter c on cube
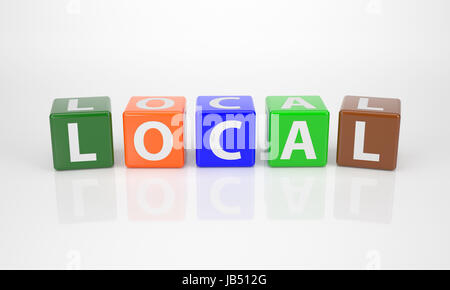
214, 140
225, 131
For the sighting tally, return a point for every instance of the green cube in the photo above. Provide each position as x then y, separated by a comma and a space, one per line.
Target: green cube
81, 131
297, 131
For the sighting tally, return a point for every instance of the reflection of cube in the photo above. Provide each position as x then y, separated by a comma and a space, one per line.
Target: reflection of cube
362, 195
160, 196
81, 133
369, 132
85, 197
290, 195
225, 131
298, 131
153, 132
229, 194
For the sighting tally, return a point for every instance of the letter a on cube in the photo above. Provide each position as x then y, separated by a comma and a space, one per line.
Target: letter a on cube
298, 131
81, 133
225, 131
369, 132
153, 129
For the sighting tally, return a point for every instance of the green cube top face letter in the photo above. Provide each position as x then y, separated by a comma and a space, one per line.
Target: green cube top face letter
298, 131
81, 131
81, 105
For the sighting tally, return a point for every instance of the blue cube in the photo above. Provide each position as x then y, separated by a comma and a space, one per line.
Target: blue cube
225, 131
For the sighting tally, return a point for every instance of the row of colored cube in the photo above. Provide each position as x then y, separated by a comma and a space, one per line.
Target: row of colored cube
298, 126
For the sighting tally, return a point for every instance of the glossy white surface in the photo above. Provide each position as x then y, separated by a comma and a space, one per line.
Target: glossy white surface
259, 217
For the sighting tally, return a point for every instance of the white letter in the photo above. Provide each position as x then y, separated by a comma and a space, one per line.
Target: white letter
214, 140
73, 106
147, 186
297, 101
356, 189
306, 145
216, 191
168, 103
363, 104
358, 149
215, 103
78, 189
74, 146
295, 191
167, 141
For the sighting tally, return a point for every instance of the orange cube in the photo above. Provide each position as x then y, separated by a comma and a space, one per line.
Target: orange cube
153, 130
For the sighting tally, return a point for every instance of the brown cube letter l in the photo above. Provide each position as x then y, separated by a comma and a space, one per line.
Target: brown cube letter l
368, 132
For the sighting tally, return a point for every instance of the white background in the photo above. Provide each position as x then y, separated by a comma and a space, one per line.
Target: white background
224, 218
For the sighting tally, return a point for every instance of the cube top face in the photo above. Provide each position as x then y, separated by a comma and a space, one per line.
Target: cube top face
155, 105
237, 104
154, 132
76, 106
81, 132
371, 105
368, 133
295, 104
297, 131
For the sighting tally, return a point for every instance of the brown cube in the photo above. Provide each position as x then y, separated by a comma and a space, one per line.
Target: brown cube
368, 132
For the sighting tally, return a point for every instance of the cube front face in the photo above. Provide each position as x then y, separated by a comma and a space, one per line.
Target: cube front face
369, 132
154, 132
297, 131
225, 131
81, 132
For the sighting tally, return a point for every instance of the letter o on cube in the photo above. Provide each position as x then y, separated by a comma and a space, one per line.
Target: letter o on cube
154, 132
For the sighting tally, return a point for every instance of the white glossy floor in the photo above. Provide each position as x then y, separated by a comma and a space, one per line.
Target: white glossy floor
259, 217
